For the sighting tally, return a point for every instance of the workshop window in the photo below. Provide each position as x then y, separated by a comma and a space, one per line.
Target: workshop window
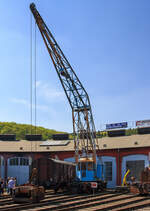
13, 162
108, 171
90, 166
24, 161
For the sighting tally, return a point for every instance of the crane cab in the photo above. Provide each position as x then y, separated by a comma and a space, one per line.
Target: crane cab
88, 170
90, 175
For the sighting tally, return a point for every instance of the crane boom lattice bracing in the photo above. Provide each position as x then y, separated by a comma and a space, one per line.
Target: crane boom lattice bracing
83, 125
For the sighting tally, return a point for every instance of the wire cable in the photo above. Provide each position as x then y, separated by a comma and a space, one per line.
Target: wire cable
35, 75
31, 77
35, 78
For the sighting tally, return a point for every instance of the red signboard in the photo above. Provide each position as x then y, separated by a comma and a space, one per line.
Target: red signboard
93, 184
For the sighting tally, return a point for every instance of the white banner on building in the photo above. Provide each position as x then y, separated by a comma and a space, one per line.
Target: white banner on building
143, 123
116, 125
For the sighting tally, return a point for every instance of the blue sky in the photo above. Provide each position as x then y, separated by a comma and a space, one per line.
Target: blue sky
107, 42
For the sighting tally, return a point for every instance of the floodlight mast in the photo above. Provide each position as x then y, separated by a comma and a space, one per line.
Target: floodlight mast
85, 142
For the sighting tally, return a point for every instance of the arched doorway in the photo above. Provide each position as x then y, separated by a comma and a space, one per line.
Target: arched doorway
19, 167
135, 163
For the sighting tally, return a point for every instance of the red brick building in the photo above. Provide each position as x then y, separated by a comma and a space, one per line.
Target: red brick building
117, 153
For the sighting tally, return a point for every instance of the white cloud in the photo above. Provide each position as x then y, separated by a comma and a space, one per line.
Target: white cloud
38, 83
27, 104
49, 93
19, 101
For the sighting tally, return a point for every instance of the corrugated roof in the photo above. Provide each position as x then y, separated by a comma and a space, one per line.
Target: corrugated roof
133, 141
28, 146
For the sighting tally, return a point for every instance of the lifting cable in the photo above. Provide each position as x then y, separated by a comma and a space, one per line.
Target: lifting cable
31, 78
35, 76
35, 85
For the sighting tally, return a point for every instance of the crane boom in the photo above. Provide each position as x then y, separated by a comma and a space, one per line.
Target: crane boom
85, 143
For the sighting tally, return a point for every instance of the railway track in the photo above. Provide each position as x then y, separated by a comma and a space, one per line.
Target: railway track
65, 202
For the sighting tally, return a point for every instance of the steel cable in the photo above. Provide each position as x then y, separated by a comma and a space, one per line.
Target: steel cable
31, 77
35, 75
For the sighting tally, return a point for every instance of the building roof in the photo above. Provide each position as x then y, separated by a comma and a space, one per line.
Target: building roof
55, 143
134, 141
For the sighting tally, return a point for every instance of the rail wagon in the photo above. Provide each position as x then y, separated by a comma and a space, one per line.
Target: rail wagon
50, 172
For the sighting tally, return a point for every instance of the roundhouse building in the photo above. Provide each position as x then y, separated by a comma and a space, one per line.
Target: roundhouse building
117, 153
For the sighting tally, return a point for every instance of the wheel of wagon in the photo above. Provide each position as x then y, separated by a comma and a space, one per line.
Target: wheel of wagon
37, 199
74, 189
141, 190
89, 189
145, 189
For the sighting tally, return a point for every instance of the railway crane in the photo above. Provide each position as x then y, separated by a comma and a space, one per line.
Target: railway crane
85, 143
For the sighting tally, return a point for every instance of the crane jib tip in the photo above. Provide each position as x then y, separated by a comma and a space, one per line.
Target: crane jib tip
32, 6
